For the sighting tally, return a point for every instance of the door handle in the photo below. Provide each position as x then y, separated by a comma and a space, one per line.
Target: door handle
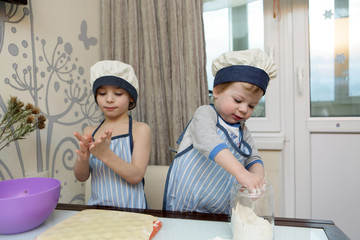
300, 80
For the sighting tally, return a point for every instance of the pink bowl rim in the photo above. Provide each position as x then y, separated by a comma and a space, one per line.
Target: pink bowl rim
35, 194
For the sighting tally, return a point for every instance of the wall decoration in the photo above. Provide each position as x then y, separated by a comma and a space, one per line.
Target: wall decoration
9, 17
88, 41
48, 71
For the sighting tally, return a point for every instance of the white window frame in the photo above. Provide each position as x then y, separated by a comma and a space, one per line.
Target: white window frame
267, 131
264, 127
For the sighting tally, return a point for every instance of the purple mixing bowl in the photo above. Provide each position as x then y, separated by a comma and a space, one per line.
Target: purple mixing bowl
26, 203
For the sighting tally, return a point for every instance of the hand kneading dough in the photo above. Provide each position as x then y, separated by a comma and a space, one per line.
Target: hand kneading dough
104, 224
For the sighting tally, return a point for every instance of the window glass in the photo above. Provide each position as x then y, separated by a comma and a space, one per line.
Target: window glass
217, 37
238, 26
334, 58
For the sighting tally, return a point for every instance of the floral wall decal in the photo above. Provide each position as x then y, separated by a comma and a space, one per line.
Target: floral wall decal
51, 71
7, 16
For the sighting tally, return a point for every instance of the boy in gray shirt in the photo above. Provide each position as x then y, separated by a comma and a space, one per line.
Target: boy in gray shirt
216, 148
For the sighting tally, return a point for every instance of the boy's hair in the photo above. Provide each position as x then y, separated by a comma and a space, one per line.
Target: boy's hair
250, 88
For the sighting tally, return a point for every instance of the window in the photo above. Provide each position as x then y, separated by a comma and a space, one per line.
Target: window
239, 25
232, 28
334, 58
217, 34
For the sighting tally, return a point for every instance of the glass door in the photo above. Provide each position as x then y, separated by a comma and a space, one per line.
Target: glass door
327, 110
334, 58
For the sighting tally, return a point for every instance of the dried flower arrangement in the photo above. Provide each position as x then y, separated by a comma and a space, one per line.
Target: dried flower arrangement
18, 121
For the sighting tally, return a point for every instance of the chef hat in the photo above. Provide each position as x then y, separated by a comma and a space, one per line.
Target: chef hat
114, 73
252, 66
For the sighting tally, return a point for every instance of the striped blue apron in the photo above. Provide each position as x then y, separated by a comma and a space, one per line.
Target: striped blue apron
196, 183
108, 188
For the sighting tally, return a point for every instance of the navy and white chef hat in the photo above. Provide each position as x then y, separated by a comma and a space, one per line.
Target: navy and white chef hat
115, 73
253, 66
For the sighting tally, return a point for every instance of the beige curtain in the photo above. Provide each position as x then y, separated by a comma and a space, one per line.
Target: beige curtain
164, 41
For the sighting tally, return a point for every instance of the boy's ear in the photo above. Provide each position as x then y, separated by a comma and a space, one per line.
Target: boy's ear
215, 91
131, 103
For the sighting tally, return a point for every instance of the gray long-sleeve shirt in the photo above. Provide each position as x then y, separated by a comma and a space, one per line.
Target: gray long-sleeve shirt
202, 134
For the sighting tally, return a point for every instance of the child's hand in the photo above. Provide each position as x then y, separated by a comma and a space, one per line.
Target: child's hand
84, 143
101, 146
252, 181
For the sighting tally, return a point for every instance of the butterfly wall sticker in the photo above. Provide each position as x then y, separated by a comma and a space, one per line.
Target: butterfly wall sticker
88, 41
